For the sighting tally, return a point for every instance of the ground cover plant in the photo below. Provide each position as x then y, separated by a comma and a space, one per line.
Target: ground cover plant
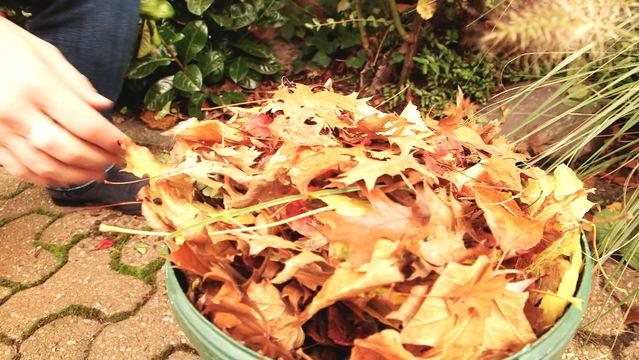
317, 226
194, 55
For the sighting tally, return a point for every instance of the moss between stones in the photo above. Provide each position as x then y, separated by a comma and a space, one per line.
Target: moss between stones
16, 192
61, 255
146, 273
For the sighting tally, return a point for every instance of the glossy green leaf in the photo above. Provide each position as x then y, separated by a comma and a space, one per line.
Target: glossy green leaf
142, 68
169, 35
254, 48
242, 14
195, 36
251, 81
238, 69
227, 97
194, 107
211, 62
266, 67
159, 94
222, 20
198, 7
157, 9
189, 79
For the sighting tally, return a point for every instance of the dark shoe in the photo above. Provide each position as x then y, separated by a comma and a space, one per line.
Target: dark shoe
119, 188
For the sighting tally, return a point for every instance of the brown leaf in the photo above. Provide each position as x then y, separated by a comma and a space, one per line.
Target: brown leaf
347, 282
151, 119
384, 345
388, 220
207, 131
633, 315
513, 230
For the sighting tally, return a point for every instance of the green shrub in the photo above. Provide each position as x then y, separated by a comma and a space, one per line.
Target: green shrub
204, 42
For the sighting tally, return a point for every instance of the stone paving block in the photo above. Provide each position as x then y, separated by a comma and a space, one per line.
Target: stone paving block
25, 263
4, 291
581, 349
77, 222
7, 352
85, 280
9, 184
142, 336
132, 256
65, 338
28, 200
182, 355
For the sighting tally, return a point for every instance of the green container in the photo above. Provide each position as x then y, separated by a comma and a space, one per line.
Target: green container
213, 344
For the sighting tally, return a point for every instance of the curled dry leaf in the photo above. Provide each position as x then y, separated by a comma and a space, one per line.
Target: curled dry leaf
316, 226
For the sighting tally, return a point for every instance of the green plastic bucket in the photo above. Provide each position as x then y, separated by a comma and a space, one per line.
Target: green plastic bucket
213, 344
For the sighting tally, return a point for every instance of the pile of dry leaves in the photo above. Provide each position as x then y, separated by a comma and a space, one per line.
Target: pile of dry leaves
316, 226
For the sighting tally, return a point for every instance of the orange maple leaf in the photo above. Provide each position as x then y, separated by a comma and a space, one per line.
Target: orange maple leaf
388, 220
514, 231
470, 305
384, 345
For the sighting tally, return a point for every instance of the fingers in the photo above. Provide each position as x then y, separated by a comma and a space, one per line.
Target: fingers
71, 77
15, 168
67, 74
44, 166
80, 119
51, 139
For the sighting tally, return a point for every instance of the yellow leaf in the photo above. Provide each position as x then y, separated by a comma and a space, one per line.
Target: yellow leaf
552, 305
470, 305
426, 8
347, 206
140, 161
566, 182
370, 170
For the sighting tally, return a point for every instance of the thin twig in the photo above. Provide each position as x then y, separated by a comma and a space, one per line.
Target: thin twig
361, 26
398, 22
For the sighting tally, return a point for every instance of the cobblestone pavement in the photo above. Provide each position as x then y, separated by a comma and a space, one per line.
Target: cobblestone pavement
60, 298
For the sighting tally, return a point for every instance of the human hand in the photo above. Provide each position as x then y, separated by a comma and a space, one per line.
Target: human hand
51, 132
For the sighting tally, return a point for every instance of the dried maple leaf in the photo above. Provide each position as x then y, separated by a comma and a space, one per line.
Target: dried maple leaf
309, 164
208, 131
140, 161
359, 234
369, 170
294, 264
470, 305
257, 125
283, 326
514, 231
444, 242
348, 282
384, 345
